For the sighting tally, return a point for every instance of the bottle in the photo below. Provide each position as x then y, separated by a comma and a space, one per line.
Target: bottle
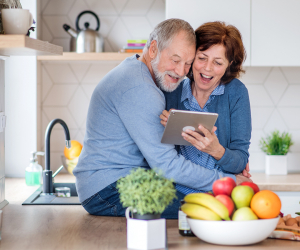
184, 227
33, 173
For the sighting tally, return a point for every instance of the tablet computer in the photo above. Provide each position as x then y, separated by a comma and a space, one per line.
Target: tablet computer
180, 120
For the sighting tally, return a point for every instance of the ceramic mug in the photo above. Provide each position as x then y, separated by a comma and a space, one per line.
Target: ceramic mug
16, 21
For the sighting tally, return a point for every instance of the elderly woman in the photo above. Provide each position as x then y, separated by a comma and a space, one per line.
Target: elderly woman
212, 86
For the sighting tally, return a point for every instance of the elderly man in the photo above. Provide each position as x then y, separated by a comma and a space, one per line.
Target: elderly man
123, 124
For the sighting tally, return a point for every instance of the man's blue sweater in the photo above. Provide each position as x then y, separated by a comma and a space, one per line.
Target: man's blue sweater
123, 132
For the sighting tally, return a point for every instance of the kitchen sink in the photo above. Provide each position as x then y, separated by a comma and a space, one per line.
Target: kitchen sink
38, 198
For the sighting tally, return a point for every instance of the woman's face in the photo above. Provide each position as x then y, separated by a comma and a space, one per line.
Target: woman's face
209, 66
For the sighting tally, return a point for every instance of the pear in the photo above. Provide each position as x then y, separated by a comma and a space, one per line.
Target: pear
244, 213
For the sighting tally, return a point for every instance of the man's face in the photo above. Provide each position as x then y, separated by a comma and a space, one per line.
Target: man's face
172, 64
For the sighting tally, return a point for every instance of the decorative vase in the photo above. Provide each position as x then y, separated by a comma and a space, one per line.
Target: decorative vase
145, 231
276, 164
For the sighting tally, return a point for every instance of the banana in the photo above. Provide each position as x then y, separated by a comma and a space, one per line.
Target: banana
209, 202
199, 212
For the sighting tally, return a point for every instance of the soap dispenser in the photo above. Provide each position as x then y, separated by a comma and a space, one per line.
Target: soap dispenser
33, 173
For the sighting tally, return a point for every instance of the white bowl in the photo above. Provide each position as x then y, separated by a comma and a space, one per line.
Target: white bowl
233, 232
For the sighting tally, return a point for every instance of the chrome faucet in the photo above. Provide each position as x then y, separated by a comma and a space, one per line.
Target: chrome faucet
47, 173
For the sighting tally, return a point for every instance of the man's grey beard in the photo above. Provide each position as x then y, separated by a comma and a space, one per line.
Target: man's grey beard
160, 76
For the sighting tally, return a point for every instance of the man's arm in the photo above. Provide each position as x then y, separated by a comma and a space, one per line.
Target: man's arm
139, 110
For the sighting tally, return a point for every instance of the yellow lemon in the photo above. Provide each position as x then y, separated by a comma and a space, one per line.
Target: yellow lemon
74, 151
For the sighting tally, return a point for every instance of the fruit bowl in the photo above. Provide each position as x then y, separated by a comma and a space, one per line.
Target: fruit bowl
233, 232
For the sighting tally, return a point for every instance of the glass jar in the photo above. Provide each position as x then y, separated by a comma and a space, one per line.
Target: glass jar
183, 226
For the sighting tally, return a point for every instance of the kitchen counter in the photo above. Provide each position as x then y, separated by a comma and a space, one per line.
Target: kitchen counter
71, 227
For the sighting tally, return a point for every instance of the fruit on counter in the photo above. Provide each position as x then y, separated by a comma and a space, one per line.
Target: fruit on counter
244, 213
74, 151
209, 202
227, 201
223, 186
252, 185
71, 164
196, 211
241, 196
266, 204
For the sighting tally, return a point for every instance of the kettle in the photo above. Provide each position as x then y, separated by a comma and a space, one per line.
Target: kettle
86, 40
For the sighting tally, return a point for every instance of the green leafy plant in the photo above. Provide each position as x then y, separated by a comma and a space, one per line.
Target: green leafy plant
276, 143
146, 191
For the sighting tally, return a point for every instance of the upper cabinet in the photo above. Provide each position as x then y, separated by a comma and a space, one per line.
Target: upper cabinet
270, 28
197, 12
275, 33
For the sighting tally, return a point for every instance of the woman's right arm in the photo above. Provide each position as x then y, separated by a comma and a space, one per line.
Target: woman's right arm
164, 117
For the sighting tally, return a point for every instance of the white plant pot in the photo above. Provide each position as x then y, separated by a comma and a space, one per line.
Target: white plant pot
145, 234
276, 164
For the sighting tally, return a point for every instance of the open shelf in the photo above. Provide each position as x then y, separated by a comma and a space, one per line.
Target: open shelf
21, 45
73, 56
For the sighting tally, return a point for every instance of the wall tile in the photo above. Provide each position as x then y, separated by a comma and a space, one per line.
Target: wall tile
80, 136
292, 74
255, 75
291, 117
46, 84
55, 24
63, 42
58, 7
77, 8
46, 35
97, 71
119, 5
103, 7
78, 106
276, 84
79, 69
290, 97
89, 89
107, 46
57, 138
257, 162
45, 122
295, 148
293, 162
260, 116
62, 113
138, 26
256, 136
258, 96
137, 7
275, 122
61, 73
106, 23
43, 4
60, 95
156, 13
118, 35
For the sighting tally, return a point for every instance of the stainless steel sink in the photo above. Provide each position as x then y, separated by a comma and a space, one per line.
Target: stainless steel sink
38, 198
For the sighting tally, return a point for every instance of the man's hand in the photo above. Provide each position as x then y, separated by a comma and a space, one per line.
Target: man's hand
165, 116
246, 171
241, 178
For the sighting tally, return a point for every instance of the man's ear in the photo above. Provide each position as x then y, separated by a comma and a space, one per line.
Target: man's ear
153, 49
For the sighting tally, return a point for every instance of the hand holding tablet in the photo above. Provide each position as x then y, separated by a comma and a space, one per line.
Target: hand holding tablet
181, 120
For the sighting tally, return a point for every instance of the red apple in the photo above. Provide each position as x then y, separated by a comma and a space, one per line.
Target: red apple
223, 186
227, 201
252, 185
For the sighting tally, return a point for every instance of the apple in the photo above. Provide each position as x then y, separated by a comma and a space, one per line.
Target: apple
241, 196
223, 186
227, 201
244, 213
252, 185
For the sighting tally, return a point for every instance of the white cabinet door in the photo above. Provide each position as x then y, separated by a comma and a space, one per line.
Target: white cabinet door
275, 33
197, 12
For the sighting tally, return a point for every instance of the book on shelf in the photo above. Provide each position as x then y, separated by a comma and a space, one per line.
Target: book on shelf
137, 41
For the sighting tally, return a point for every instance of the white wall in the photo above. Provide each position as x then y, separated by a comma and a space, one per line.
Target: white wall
21, 108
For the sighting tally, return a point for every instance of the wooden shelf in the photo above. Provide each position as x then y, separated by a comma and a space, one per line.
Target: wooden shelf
73, 56
21, 45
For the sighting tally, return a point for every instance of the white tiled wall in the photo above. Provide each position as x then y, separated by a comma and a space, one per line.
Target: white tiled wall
67, 86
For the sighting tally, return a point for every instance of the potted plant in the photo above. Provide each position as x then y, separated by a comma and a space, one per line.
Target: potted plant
276, 146
146, 194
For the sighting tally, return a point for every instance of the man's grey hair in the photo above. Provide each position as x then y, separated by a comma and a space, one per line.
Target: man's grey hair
165, 31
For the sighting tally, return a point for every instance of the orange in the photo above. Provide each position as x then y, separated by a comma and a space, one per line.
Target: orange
266, 204
74, 151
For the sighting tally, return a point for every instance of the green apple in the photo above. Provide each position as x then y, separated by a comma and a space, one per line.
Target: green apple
244, 213
241, 196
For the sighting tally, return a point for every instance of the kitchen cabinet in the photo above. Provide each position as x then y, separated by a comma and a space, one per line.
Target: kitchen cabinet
197, 12
275, 33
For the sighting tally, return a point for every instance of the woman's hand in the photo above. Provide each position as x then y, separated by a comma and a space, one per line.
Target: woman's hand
241, 178
246, 171
165, 116
208, 143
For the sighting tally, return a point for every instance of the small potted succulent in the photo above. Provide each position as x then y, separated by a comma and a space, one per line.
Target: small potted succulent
276, 146
146, 194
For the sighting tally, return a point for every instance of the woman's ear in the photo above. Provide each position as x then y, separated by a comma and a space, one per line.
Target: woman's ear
153, 49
